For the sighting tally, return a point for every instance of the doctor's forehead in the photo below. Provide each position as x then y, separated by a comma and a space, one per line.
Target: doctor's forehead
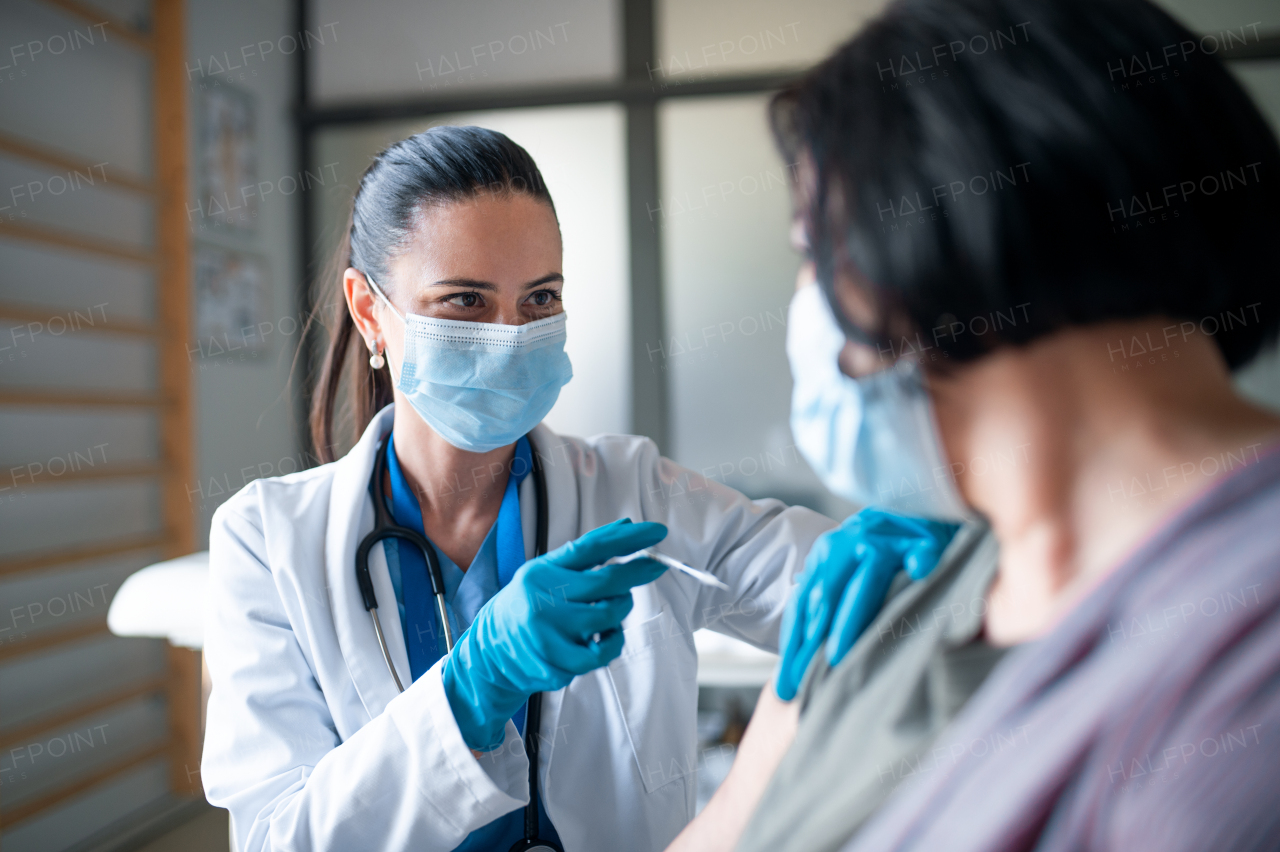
507, 240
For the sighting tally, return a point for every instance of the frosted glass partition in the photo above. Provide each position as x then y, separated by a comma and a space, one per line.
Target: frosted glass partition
135, 13
714, 38
729, 273
1222, 15
707, 38
40, 686
1262, 81
101, 83
1260, 379
415, 49
580, 153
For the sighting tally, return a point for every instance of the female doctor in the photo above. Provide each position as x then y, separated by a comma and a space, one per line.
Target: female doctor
333, 724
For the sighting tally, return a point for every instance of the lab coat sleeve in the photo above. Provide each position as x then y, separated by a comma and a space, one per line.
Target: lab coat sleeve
754, 546
274, 759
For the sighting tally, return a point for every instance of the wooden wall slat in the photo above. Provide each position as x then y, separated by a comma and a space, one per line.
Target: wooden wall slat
95, 704
9, 816
51, 157
124, 32
33, 398
26, 313
66, 239
185, 722
45, 640
65, 556
173, 249
172, 331
136, 470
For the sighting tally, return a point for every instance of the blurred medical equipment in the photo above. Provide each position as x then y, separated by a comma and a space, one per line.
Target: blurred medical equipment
164, 601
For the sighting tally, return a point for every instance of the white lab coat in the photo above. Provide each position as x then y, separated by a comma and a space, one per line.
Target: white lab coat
308, 743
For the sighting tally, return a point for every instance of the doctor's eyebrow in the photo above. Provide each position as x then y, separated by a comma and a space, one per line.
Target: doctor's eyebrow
485, 285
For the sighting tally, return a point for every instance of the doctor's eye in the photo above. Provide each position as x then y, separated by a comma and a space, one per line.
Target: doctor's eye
544, 298
465, 300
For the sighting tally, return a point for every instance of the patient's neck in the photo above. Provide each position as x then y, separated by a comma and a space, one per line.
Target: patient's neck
1080, 445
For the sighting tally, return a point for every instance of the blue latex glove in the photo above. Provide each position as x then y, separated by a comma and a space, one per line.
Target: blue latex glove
844, 583
540, 631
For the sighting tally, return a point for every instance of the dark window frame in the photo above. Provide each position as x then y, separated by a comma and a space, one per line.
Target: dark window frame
640, 93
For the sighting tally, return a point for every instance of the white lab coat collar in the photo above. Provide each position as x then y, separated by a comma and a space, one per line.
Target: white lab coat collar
562, 521
351, 518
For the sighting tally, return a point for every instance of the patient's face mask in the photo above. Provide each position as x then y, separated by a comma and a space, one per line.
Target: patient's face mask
481, 385
871, 440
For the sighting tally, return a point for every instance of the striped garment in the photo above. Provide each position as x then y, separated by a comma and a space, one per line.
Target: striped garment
1148, 719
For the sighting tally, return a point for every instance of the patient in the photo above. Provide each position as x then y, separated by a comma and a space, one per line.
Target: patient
1055, 246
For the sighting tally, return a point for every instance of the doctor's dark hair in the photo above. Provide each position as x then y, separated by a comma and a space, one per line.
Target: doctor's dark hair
439, 166
986, 172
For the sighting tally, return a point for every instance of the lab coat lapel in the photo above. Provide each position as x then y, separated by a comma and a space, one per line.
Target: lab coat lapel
562, 526
390, 618
562, 490
350, 519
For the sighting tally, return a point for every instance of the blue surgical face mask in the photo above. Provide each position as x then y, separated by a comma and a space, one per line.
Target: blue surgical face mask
872, 440
481, 385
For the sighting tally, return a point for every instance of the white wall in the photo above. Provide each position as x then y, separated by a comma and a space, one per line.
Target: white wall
244, 411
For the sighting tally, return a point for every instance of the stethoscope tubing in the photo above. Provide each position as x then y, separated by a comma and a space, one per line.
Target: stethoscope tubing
382, 642
384, 527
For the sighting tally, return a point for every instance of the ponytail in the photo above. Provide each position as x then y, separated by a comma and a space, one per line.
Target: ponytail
438, 166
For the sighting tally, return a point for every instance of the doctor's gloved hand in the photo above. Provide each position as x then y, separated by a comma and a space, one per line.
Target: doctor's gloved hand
844, 583
540, 631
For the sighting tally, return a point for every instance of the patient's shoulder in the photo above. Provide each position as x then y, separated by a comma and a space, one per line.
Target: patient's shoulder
1209, 784
869, 724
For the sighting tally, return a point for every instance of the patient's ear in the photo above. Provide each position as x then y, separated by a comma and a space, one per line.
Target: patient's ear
859, 359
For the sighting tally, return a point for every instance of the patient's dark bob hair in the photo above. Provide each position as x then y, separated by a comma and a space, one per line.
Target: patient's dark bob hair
993, 170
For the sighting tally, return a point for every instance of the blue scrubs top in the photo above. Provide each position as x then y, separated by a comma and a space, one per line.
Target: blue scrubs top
465, 593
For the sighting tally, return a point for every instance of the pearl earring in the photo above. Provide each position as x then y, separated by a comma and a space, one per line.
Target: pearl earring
376, 361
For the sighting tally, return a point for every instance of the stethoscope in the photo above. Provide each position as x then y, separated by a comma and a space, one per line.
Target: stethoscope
385, 527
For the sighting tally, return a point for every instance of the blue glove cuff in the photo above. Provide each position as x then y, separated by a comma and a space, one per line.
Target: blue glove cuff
480, 718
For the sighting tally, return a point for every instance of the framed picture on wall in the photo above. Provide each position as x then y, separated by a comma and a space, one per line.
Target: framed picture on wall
231, 302
228, 159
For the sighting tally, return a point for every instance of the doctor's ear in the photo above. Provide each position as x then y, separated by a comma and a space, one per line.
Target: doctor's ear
364, 308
